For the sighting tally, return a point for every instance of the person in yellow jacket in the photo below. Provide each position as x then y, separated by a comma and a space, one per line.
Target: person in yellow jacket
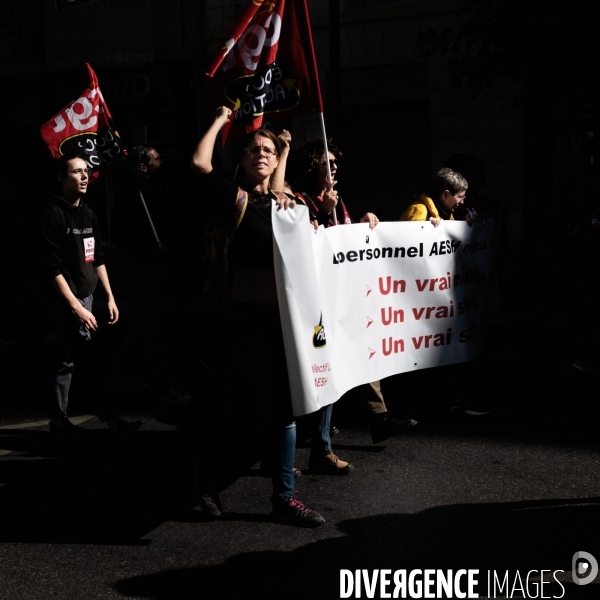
448, 192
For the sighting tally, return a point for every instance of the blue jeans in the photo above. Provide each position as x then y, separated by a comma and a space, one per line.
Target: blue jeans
283, 461
320, 427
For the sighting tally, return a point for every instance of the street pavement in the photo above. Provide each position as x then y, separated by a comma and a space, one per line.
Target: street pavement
114, 516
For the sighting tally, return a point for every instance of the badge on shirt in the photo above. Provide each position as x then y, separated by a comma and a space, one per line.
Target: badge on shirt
88, 247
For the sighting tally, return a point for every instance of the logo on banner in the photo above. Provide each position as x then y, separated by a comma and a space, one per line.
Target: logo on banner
319, 340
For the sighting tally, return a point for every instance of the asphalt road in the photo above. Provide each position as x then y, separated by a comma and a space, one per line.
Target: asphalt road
109, 516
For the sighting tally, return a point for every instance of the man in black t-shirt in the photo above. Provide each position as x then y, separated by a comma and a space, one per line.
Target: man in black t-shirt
72, 264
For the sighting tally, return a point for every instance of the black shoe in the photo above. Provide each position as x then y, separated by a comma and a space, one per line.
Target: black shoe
63, 426
383, 425
210, 506
293, 512
122, 426
463, 409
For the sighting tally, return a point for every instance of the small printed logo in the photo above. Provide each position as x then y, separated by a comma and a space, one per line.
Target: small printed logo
585, 568
319, 340
367, 240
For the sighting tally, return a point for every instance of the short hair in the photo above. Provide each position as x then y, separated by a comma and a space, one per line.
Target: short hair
61, 165
447, 179
139, 155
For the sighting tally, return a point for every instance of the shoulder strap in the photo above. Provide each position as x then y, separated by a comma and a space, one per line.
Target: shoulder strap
240, 206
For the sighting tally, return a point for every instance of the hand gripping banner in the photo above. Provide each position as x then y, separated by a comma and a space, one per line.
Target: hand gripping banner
358, 305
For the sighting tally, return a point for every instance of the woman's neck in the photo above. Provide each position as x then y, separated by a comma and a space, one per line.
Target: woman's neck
256, 186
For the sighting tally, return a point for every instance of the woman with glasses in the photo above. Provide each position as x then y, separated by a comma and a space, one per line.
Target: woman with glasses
263, 411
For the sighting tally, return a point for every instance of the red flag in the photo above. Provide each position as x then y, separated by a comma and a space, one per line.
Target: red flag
266, 67
86, 127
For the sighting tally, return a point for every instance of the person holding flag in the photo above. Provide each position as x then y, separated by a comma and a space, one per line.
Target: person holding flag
263, 410
317, 170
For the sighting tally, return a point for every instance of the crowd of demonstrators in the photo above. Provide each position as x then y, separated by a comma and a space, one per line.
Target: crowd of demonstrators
256, 414
265, 423
323, 202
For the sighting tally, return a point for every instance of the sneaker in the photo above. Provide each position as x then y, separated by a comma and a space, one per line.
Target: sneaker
210, 506
63, 426
383, 425
293, 512
330, 464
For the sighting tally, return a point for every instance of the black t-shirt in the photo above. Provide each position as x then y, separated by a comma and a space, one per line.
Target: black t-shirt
252, 241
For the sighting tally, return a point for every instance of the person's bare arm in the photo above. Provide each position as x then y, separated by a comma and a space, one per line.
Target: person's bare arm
113, 311
202, 158
84, 316
278, 177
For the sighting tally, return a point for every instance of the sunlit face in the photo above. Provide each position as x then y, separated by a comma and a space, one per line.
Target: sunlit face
260, 158
154, 160
76, 180
452, 201
321, 173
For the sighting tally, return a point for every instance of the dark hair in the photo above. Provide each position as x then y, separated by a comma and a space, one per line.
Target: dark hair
139, 155
308, 161
61, 165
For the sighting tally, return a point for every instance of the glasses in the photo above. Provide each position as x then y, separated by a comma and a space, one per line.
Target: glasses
460, 197
258, 149
80, 171
333, 163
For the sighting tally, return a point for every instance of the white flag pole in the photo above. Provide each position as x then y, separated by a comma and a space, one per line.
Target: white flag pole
149, 217
329, 177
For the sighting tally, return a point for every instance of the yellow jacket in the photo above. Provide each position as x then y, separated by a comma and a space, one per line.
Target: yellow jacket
421, 210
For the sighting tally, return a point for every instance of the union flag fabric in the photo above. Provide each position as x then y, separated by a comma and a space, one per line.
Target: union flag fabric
266, 67
86, 127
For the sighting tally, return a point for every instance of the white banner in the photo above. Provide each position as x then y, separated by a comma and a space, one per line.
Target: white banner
358, 305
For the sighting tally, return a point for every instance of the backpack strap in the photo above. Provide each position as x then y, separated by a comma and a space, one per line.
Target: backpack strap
240, 207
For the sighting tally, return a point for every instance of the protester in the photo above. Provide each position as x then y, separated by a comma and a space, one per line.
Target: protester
147, 229
448, 192
324, 202
73, 263
263, 411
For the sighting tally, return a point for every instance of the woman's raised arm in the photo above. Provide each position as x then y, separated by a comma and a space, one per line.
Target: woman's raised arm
202, 158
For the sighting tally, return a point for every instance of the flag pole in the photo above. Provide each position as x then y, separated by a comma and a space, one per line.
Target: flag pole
326, 150
149, 217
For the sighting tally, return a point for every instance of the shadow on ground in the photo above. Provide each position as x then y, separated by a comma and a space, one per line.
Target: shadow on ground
471, 536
